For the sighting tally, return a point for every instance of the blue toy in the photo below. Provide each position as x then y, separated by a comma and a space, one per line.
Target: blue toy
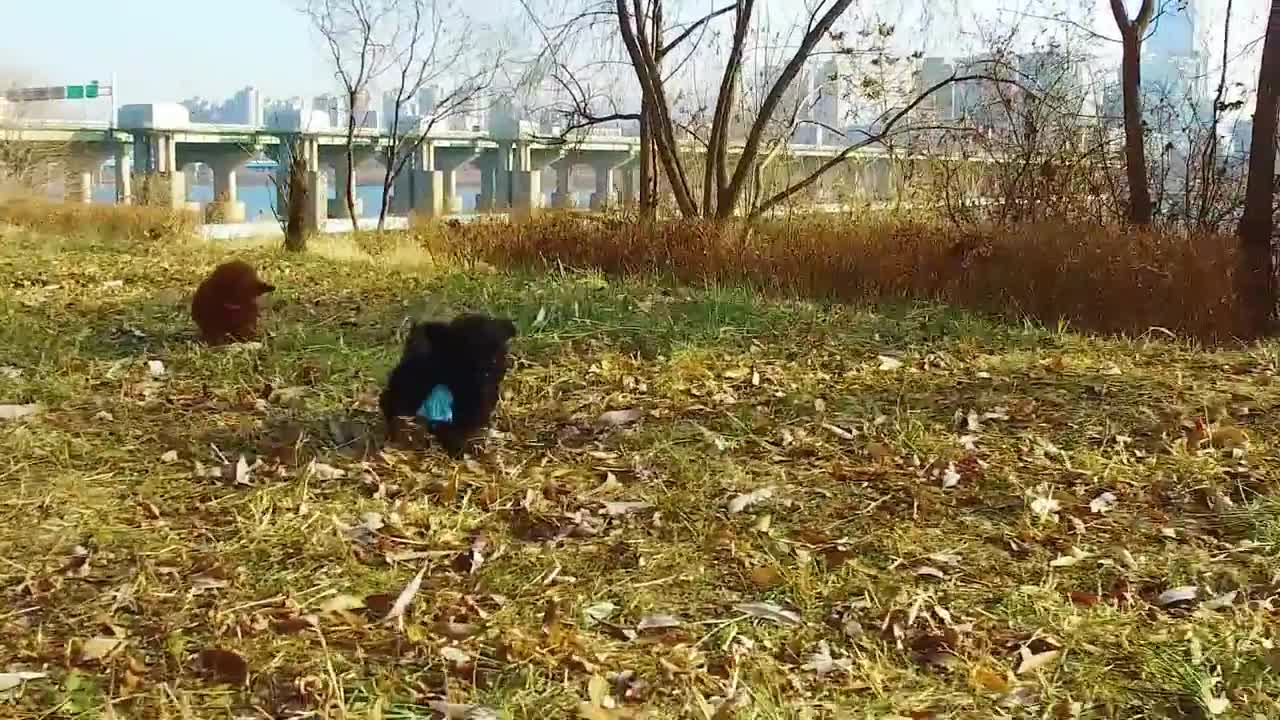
438, 407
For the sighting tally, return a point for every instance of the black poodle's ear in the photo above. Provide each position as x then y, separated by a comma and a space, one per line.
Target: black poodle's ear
423, 337
506, 328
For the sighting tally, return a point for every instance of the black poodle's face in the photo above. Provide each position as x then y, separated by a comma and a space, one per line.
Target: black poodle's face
474, 343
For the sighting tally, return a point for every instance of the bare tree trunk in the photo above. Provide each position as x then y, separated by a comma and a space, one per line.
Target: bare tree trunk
350, 196
295, 233
1135, 153
1257, 274
647, 195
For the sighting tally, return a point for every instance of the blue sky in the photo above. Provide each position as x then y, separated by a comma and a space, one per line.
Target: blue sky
167, 50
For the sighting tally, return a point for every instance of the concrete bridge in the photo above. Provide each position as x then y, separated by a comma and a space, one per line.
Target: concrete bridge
152, 144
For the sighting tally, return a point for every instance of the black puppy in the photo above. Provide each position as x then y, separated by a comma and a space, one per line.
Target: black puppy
468, 356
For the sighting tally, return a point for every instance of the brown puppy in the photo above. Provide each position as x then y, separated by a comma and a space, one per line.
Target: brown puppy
225, 306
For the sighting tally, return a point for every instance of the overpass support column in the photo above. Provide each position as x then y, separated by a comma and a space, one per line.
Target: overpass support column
441, 181
604, 165
879, 178
226, 206
124, 173
495, 179
78, 179
563, 195
156, 162
343, 174
527, 176
630, 185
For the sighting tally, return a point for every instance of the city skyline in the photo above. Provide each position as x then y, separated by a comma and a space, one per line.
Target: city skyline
164, 64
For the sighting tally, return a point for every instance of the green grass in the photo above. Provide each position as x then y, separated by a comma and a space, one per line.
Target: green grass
928, 599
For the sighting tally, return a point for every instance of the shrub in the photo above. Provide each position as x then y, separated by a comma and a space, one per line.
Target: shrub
1093, 277
117, 221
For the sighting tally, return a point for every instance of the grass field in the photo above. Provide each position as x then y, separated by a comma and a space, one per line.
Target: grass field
696, 504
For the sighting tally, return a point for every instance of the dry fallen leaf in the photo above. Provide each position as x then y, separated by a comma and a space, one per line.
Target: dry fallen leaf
11, 680
406, 597
99, 648
658, 622
1102, 503
1034, 661
769, 611
1221, 601
889, 363
821, 662
950, 477
930, 571
618, 418
987, 679
242, 471
745, 500
1173, 596
14, 412
225, 665
341, 602
625, 508
321, 471
596, 612
765, 577
1229, 438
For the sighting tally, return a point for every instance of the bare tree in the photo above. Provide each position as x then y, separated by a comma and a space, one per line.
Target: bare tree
581, 102
290, 204
719, 188
1135, 153
354, 33
1257, 271
437, 44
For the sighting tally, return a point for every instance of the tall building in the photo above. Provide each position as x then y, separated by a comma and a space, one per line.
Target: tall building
829, 106
409, 110
943, 104
244, 108
1174, 66
1176, 30
428, 98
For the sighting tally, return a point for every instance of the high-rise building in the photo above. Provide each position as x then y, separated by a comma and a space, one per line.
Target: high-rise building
1176, 30
828, 106
1174, 65
428, 98
244, 108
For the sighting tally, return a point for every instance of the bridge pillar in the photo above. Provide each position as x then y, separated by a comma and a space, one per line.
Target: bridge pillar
630, 185
878, 178
78, 185
604, 164
447, 161
155, 160
527, 176
563, 195
226, 206
343, 174
124, 173
495, 179
433, 179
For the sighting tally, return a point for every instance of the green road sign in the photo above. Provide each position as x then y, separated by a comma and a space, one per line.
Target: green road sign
56, 92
